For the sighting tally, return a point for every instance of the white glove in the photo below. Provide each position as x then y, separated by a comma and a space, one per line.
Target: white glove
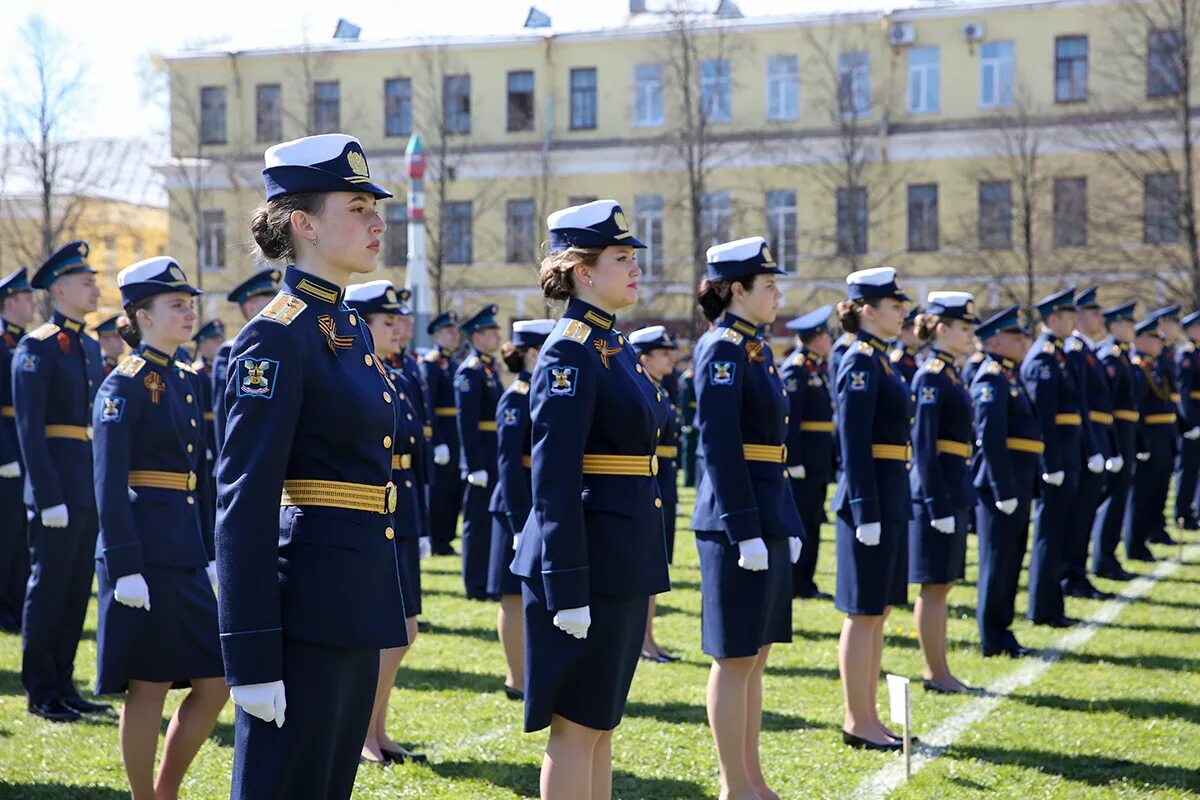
943, 524
797, 472
516, 540
55, 516
1115, 464
1095, 464
211, 569
574, 621
1193, 434
132, 591
686, 429
441, 455
1007, 507
13, 469
1054, 478
752, 555
478, 478
868, 533
795, 545
1143, 456
424, 547
208, 453
267, 701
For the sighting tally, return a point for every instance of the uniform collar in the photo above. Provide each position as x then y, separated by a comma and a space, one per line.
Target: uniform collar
311, 289
729, 320
909, 351
1050, 337
874, 341
578, 309
63, 321
816, 358
1083, 338
445, 353
15, 330
1007, 363
154, 355
484, 357
942, 356
523, 375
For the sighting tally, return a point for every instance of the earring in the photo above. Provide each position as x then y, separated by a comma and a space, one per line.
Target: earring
314, 241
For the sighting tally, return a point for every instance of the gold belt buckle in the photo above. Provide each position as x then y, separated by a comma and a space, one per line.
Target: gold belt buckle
653, 465
390, 497
191, 481
87, 431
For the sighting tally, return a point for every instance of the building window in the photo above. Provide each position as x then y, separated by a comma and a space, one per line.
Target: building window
268, 112
519, 244
397, 107
783, 88
1070, 212
212, 115
648, 228
924, 81
996, 75
110, 253
581, 199
647, 95
327, 107
395, 248
854, 83
1070, 69
583, 99
457, 232
212, 239
716, 90
1163, 67
923, 218
1162, 202
520, 101
851, 220
456, 103
781, 227
995, 215
716, 217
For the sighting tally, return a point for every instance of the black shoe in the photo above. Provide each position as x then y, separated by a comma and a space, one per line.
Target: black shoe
81, 706
1057, 622
479, 595
1099, 595
1117, 573
866, 744
383, 762
444, 550
1017, 651
53, 710
1078, 589
424, 625
1143, 555
814, 594
933, 686
1164, 538
513, 694
10, 628
404, 754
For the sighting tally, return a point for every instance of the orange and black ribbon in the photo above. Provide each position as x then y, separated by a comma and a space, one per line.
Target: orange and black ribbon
754, 351
605, 351
329, 328
154, 382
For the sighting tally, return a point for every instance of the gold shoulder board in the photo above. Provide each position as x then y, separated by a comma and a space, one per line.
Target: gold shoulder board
284, 309
730, 335
577, 331
993, 368
935, 365
432, 356
895, 356
472, 362
1116, 350
1048, 347
185, 366
44, 331
1074, 345
130, 365
1137, 360
864, 347
520, 387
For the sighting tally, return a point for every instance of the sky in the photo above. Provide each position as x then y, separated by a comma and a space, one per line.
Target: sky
114, 42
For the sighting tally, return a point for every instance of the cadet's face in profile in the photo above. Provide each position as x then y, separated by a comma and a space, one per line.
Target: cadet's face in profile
111, 343
658, 363
448, 337
1122, 330
255, 304
404, 325
18, 308
486, 340
1149, 345
820, 344
348, 231
612, 281
385, 331
956, 337
169, 320
887, 317
1090, 320
760, 302
77, 292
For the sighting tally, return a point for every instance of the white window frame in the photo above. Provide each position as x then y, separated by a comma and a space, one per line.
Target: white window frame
213, 226
920, 78
648, 95
783, 88
648, 227
716, 90
994, 71
777, 223
855, 66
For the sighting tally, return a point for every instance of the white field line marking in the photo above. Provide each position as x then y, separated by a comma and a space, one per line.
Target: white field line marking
933, 744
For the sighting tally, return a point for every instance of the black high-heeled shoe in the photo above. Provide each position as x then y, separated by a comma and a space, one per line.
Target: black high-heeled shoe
866, 744
402, 755
513, 694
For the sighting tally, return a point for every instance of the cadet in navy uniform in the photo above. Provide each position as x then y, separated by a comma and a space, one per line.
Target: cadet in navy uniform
687, 426
402, 360
748, 531
942, 492
843, 343
208, 339
903, 353
157, 619
309, 591
1050, 381
446, 490
56, 370
111, 343
1155, 440
251, 296
592, 551
810, 439
1008, 449
381, 306
1172, 334
872, 498
16, 311
477, 391
1099, 441
511, 499
1187, 368
973, 363
656, 353
1118, 370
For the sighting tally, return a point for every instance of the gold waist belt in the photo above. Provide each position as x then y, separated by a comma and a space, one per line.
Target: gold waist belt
82, 433
1068, 419
1100, 417
1027, 446
891, 452
1126, 416
951, 447
156, 479
770, 453
487, 425
336, 494
817, 426
1159, 419
666, 451
445, 411
640, 466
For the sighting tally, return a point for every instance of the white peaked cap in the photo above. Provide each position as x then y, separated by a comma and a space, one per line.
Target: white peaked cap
583, 216
308, 151
653, 333
739, 250
875, 276
950, 299
540, 327
147, 270
360, 292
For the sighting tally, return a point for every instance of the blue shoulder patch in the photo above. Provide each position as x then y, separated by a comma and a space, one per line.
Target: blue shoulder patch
720, 373
29, 362
561, 381
928, 395
984, 393
113, 409
511, 416
462, 383
256, 377
1044, 373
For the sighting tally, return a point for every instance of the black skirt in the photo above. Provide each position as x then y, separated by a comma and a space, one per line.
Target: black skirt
743, 610
501, 579
936, 557
408, 558
871, 578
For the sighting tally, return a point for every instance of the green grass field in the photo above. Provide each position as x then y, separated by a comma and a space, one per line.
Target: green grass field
1117, 717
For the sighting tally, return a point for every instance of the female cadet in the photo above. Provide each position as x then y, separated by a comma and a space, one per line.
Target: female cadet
872, 497
656, 352
511, 498
380, 306
309, 592
942, 494
748, 530
157, 626
592, 551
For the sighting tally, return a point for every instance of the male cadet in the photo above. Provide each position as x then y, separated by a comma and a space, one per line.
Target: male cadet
689, 436
252, 295
1049, 380
477, 391
1187, 370
1007, 447
57, 368
973, 362
208, 340
809, 438
1171, 333
403, 361
16, 311
1118, 370
903, 353
1155, 440
111, 343
445, 492
1099, 444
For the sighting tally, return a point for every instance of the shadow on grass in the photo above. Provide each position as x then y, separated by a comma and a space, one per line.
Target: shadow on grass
442, 679
10, 683
50, 791
801, 671
1170, 663
1134, 707
522, 779
1096, 770
662, 609
696, 714
483, 634
1187, 630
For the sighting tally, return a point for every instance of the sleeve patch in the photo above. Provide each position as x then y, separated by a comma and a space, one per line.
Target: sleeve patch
29, 362
720, 373
928, 396
113, 409
859, 380
792, 384
462, 383
562, 381
1044, 373
512, 416
984, 393
257, 377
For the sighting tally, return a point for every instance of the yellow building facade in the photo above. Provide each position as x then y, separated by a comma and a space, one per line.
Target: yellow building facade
1000, 148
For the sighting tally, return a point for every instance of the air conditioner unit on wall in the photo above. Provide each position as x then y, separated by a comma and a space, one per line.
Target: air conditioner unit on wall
902, 33
972, 31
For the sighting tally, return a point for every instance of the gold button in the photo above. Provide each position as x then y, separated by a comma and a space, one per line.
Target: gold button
785, 473
409, 417
191, 500
91, 382
412, 440
785, 420
368, 360
408, 484
771, 370
181, 373
658, 395
657, 432
193, 422
387, 441
387, 397
189, 398
190, 448
639, 367
400, 395
620, 340
353, 320
389, 533
658, 502
783, 392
